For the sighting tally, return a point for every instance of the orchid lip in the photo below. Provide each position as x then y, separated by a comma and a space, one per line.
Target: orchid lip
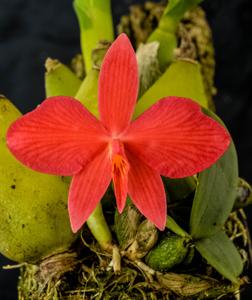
120, 164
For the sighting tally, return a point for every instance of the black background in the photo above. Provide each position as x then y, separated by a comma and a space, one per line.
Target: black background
30, 31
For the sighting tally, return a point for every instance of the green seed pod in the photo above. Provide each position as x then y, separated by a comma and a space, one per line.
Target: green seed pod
33, 207
170, 251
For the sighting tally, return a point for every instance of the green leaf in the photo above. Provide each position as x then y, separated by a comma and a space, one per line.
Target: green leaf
181, 79
215, 194
220, 252
95, 20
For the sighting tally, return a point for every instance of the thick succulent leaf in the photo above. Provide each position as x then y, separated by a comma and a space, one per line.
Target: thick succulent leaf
220, 252
215, 194
181, 79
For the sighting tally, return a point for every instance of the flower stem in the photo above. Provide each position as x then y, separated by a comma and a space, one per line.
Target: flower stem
95, 21
99, 228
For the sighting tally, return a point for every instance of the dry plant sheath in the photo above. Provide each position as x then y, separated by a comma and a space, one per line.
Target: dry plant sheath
123, 183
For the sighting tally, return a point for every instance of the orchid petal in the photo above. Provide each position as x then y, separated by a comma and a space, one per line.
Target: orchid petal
59, 137
118, 85
147, 192
87, 188
176, 138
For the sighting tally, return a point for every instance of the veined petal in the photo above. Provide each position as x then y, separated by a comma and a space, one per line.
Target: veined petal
59, 137
147, 192
87, 188
176, 138
118, 85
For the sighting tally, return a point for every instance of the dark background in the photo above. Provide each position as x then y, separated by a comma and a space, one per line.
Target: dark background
30, 31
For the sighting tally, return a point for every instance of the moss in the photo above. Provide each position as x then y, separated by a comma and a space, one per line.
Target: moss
90, 276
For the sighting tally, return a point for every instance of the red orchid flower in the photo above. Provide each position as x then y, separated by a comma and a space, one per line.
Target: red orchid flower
172, 138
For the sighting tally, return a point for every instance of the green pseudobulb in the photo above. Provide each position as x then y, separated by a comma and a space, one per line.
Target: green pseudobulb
34, 221
171, 251
181, 79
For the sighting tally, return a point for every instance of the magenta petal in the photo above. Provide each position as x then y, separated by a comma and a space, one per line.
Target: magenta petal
87, 189
176, 138
118, 85
147, 192
59, 137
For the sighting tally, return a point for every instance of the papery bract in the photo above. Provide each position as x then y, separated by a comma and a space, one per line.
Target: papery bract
172, 138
